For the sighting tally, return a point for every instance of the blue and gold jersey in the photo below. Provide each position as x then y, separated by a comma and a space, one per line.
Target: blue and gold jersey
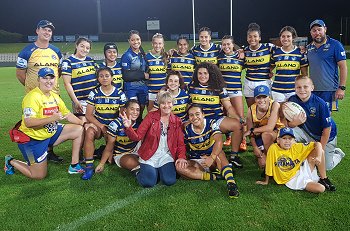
288, 66
117, 74
82, 72
231, 68
157, 72
33, 58
179, 105
123, 144
202, 143
209, 56
184, 64
265, 119
258, 62
208, 99
106, 106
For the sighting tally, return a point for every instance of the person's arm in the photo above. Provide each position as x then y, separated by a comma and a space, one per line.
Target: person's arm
32, 122
325, 137
21, 75
343, 74
71, 118
271, 124
263, 182
69, 88
249, 123
142, 130
304, 71
107, 152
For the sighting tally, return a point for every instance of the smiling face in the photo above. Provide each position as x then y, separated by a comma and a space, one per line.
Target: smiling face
135, 42
83, 49
286, 142
173, 82
303, 89
204, 39
227, 46
44, 34
318, 34
46, 83
182, 46
262, 102
111, 55
133, 111
253, 39
203, 76
286, 39
195, 116
166, 107
158, 45
105, 78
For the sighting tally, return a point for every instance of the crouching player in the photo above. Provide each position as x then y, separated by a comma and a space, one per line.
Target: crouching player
294, 164
205, 143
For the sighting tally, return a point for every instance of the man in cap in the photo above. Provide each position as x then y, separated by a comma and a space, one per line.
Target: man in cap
36, 56
325, 56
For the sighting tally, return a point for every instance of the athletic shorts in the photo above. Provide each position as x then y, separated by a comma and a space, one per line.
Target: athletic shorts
136, 90
217, 123
83, 104
281, 97
329, 97
201, 161
35, 151
233, 94
303, 177
249, 86
133, 152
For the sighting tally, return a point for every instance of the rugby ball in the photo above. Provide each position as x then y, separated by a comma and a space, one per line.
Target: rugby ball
290, 109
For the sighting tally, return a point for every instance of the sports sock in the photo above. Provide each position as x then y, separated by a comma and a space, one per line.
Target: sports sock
208, 176
227, 173
89, 163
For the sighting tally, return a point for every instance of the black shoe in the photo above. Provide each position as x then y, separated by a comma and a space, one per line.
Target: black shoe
51, 156
98, 152
236, 161
232, 190
218, 175
327, 184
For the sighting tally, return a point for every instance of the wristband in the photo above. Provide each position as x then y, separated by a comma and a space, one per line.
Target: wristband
252, 131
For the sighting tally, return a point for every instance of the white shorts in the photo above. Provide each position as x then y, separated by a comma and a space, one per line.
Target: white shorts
281, 97
201, 161
152, 96
303, 177
133, 152
249, 86
233, 94
217, 123
83, 104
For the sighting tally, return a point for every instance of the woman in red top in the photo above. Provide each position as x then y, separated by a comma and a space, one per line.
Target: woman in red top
162, 143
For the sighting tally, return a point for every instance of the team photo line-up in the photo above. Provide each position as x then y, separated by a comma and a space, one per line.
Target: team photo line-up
192, 96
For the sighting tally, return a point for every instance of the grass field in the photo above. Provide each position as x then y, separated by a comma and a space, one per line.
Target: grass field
114, 201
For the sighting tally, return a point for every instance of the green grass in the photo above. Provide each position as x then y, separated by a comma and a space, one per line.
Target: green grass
114, 201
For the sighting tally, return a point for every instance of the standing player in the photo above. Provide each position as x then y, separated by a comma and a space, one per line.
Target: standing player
35, 56
110, 51
182, 60
156, 60
325, 56
78, 72
289, 63
257, 61
206, 51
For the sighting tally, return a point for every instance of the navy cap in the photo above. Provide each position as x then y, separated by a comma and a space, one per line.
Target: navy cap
43, 72
317, 22
45, 23
109, 46
261, 90
286, 131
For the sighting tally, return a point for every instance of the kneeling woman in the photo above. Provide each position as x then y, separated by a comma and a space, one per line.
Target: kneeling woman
204, 140
42, 111
162, 145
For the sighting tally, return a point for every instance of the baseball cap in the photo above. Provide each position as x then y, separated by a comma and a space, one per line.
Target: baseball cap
286, 131
45, 23
261, 90
43, 72
109, 46
317, 22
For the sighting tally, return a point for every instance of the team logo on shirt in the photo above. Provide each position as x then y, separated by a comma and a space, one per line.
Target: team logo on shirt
285, 163
312, 111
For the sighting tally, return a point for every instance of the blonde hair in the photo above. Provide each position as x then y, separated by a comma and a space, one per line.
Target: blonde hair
164, 96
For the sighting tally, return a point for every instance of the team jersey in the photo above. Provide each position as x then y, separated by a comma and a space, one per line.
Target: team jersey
117, 74
324, 64
208, 99
123, 144
179, 104
288, 66
265, 119
82, 72
202, 143
210, 55
317, 117
283, 164
37, 105
106, 106
258, 62
231, 68
33, 58
157, 72
184, 64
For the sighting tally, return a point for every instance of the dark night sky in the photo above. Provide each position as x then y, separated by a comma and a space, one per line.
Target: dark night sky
79, 16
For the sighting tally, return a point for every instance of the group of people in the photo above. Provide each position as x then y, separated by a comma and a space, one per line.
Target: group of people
192, 96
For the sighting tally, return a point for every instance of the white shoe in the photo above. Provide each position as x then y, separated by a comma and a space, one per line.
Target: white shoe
339, 152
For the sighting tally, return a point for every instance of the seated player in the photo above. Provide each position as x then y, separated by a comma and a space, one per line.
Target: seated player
263, 123
204, 140
294, 164
319, 125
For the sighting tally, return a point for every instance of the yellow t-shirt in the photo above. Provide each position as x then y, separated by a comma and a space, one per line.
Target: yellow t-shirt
283, 164
37, 105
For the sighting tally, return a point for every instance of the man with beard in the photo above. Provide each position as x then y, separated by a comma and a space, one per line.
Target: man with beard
325, 55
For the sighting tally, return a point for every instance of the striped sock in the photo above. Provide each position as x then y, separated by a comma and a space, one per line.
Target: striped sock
208, 176
89, 163
227, 173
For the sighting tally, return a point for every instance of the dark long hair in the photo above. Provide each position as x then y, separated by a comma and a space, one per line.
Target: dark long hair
132, 32
216, 82
81, 39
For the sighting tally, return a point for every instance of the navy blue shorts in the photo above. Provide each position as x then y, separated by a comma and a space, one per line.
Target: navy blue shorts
35, 151
329, 97
137, 90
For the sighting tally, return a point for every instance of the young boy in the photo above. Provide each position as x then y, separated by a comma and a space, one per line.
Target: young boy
319, 125
294, 164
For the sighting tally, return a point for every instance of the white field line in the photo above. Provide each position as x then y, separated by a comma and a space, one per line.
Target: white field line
119, 204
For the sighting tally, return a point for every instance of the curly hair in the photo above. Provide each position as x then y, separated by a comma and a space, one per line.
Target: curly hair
216, 82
